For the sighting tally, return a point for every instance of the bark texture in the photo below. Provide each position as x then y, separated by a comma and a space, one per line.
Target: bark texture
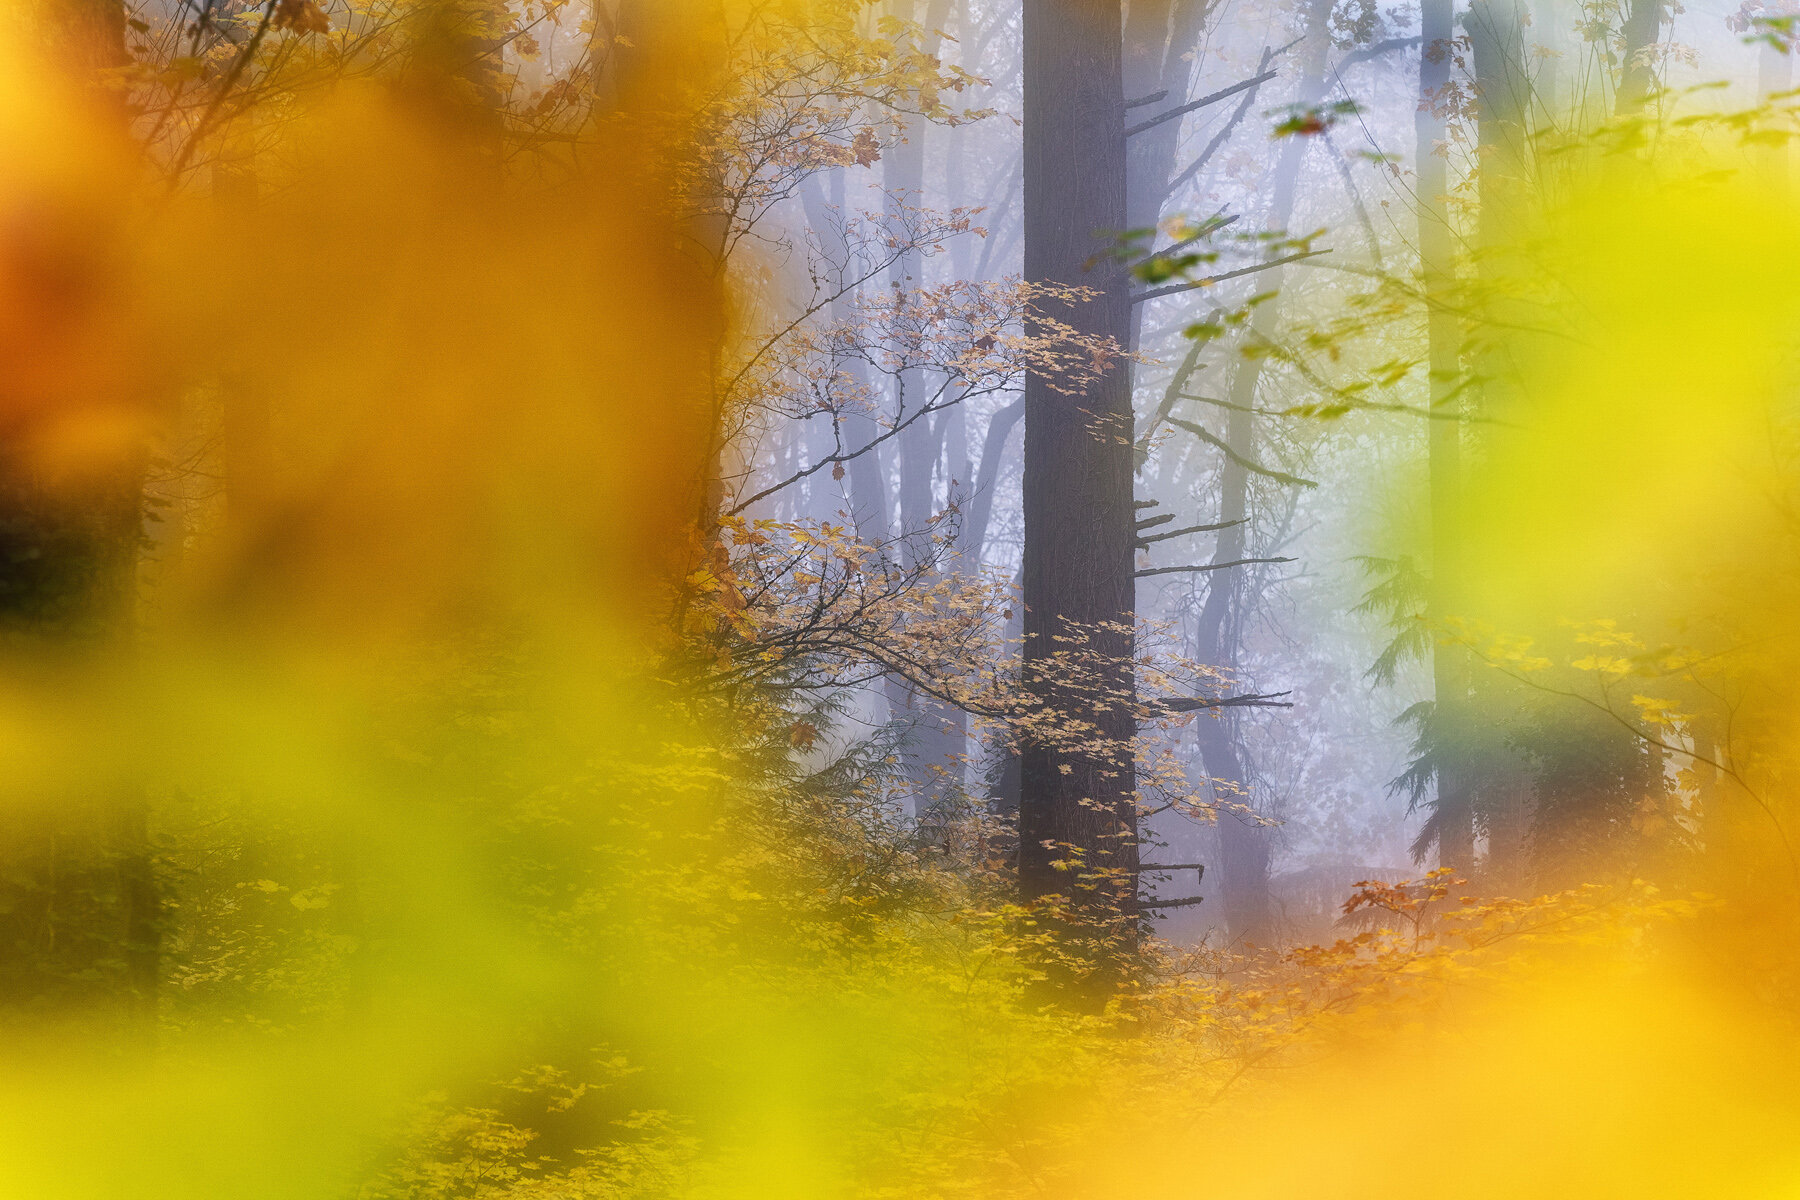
1078, 807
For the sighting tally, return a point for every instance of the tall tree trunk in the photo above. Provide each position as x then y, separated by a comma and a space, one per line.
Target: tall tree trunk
904, 178
1500, 795
1078, 805
868, 488
1496, 31
935, 748
1161, 41
1244, 844
1774, 74
1451, 825
867, 492
1547, 82
1643, 25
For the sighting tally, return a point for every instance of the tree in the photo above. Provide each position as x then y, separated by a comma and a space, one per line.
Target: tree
1161, 63
937, 731
1450, 824
1078, 807
1641, 29
1244, 842
1499, 777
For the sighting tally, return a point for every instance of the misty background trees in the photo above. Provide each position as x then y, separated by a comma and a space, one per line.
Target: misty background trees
1286, 232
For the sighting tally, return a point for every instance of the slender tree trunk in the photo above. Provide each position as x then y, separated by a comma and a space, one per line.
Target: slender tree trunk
868, 498
1547, 83
1452, 821
1500, 797
1078, 805
1774, 74
904, 178
936, 747
1496, 31
1244, 844
868, 489
1161, 40
987, 475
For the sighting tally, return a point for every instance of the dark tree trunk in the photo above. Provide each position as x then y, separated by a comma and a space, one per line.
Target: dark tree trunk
1078, 806
1643, 25
868, 488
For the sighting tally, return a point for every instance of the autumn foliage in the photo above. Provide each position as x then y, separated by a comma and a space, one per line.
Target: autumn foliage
427, 753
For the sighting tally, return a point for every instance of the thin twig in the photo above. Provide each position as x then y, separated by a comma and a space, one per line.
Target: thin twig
1236, 562
1175, 288
1202, 102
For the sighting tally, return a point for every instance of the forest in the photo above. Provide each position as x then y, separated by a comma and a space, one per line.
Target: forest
1078, 599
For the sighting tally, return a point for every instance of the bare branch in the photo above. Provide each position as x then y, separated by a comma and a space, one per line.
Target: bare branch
993, 452
1180, 704
1189, 286
1144, 543
845, 456
1224, 133
1236, 562
1202, 102
1207, 227
1376, 50
1201, 432
1190, 362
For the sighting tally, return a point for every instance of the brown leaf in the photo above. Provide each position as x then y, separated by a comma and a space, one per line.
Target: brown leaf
867, 148
302, 16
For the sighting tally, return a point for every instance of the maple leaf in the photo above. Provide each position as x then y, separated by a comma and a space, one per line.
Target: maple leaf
866, 147
302, 16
